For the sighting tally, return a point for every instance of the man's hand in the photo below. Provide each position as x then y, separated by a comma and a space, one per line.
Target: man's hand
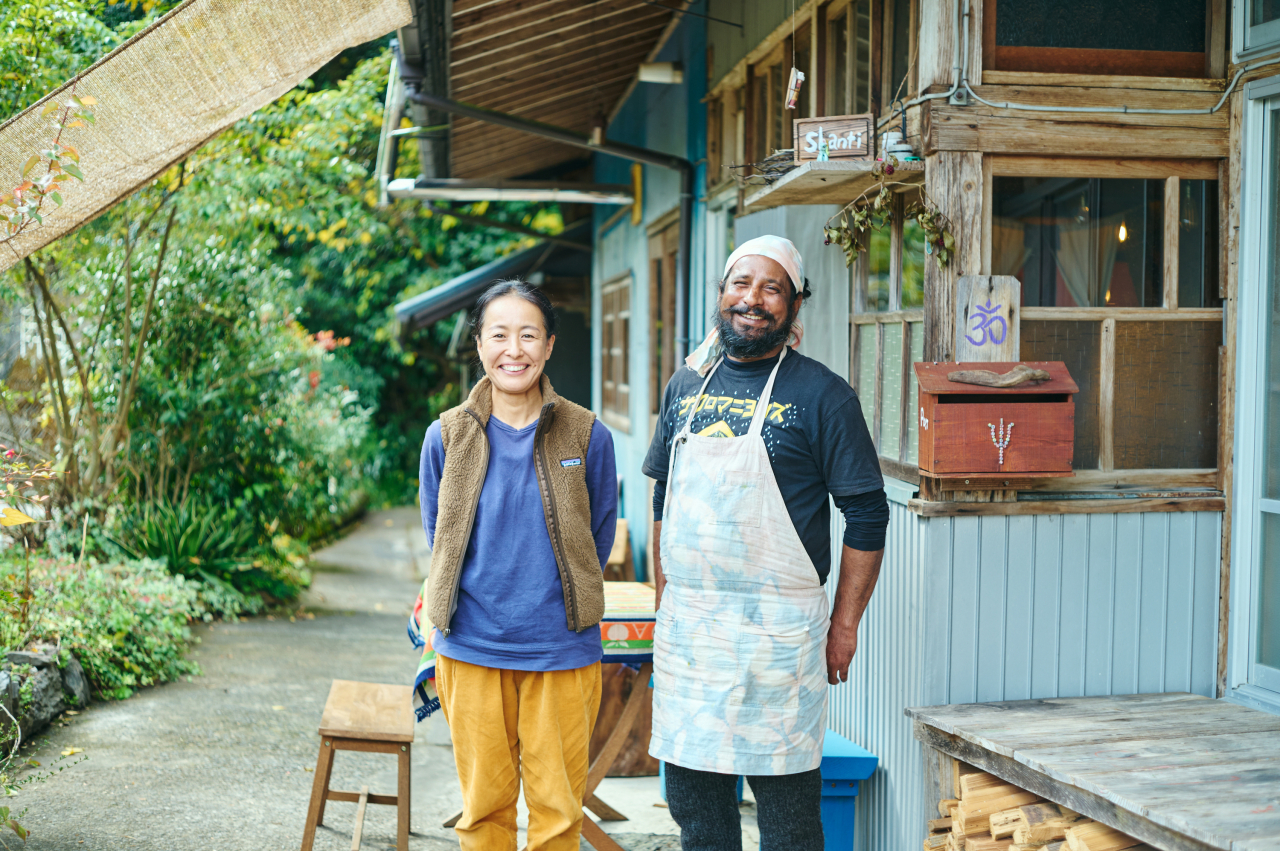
842, 643
859, 571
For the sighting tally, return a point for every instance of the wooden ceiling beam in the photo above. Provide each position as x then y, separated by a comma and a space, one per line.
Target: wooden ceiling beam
502, 14
589, 91
571, 20
553, 51
548, 74
518, 44
493, 164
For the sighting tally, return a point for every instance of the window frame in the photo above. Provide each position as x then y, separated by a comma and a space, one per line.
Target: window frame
613, 414
1068, 60
1172, 172
862, 322
1242, 685
1253, 40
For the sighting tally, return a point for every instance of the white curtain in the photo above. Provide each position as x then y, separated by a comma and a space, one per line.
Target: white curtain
1009, 249
1087, 255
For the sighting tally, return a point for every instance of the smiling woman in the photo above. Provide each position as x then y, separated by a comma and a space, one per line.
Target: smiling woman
519, 500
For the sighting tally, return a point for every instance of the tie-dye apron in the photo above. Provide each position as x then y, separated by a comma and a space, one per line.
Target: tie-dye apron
740, 673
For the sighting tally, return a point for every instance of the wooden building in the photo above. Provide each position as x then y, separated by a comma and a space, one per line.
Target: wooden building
1120, 160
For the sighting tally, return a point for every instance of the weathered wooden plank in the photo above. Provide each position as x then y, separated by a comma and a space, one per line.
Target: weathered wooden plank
1144, 169
1083, 801
987, 323
1065, 134
1160, 753
1035, 78
926, 508
953, 181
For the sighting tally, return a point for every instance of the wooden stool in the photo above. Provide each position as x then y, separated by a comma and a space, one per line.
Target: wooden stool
366, 717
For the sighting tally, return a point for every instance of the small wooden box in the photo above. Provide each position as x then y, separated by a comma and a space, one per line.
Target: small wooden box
962, 425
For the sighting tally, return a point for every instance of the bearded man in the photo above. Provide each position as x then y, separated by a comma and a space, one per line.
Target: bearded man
752, 442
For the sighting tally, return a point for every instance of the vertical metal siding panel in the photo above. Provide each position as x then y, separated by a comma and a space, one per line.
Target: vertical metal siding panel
1204, 652
1099, 605
885, 678
963, 675
993, 538
1045, 608
1154, 587
937, 556
1179, 622
1126, 605
1073, 661
1020, 590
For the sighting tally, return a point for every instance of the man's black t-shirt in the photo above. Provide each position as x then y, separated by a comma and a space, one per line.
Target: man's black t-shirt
814, 430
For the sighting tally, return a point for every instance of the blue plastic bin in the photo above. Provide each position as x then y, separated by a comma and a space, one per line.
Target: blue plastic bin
843, 765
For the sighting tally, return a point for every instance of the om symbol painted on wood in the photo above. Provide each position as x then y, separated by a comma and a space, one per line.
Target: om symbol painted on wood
985, 317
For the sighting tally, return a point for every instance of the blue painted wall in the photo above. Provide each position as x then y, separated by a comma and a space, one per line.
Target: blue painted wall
671, 119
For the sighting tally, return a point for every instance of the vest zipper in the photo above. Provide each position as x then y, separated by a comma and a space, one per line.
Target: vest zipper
556, 543
471, 522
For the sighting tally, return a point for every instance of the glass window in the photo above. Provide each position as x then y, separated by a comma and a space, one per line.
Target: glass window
891, 391
849, 60
1268, 634
1081, 242
1198, 243
913, 257
1263, 24
866, 388
901, 46
877, 259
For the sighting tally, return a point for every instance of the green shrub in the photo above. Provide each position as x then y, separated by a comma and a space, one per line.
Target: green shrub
217, 548
126, 622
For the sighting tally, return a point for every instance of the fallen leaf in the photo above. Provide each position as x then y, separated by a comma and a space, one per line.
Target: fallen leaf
72, 751
278, 708
14, 517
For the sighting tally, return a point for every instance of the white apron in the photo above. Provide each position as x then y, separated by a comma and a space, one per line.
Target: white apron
740, 673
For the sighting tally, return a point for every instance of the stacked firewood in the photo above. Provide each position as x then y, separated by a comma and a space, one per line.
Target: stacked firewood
992, 815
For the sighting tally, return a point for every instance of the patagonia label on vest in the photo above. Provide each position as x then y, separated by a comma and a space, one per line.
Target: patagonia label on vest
571, 462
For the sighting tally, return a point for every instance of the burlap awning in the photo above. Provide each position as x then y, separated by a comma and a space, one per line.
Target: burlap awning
174, 86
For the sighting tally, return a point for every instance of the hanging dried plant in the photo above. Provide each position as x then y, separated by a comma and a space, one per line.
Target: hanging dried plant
872, 210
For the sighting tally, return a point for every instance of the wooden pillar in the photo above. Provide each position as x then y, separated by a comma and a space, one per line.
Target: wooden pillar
953, 182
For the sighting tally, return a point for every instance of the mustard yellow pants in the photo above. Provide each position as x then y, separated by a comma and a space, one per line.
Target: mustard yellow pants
510, 727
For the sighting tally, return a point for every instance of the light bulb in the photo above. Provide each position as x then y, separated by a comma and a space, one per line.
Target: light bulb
1124, 233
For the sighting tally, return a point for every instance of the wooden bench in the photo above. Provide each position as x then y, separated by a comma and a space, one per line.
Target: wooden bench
368, 717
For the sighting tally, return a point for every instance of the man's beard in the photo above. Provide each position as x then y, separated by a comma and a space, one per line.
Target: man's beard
757, 342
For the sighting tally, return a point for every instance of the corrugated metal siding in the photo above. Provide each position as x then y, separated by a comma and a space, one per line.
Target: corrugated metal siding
887, 676
1079, 604
975, 609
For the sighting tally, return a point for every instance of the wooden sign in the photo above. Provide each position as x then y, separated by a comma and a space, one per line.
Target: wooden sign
987, 316
847, 137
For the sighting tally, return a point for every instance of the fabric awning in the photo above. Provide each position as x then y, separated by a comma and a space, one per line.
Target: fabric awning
177, 84
461, 292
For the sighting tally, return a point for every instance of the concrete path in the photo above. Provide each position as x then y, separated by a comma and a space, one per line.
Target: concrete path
224, 762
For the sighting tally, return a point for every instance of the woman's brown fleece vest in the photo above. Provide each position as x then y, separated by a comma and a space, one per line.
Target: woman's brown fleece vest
563, 435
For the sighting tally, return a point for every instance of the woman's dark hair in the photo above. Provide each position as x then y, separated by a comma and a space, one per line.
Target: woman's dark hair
516, 287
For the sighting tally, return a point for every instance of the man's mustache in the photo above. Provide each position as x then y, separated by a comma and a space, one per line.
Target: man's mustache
759, 312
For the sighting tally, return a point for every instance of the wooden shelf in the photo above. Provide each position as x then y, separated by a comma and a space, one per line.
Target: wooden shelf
833, 182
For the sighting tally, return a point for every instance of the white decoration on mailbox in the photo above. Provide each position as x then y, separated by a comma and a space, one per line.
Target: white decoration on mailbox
924, 421
1003, 439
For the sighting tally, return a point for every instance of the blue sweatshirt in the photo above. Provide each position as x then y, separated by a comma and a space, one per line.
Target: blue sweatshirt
510, 598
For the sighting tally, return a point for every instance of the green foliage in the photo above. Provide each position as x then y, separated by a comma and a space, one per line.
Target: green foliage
126, 622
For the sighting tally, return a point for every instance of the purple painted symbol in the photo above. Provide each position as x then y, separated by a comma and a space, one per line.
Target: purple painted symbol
985, 317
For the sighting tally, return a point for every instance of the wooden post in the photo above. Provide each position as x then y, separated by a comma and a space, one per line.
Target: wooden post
1107, 398
936, 42
987, 318
1172, 207
953, 182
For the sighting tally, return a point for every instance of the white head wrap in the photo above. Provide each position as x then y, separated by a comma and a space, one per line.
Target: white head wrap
782, 252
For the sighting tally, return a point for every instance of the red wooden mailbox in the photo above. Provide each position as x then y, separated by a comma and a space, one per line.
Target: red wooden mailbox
970, 429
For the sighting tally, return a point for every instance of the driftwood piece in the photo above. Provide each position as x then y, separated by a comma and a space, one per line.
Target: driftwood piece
1020, 374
